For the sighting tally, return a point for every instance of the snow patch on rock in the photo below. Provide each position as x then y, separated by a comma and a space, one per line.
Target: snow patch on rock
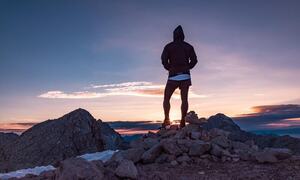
103, 156
22, 172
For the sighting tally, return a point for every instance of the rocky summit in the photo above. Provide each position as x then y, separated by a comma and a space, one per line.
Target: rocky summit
204, 149
52, 141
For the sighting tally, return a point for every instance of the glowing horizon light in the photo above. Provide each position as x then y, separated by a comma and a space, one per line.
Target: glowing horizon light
276, 125
292, 119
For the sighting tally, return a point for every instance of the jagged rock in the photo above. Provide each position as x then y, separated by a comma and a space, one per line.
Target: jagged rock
198, 148
133, 154
51, 141
127, 169
196, 135
184, 144
221, 141
150, 142
169, 133
78, 168
191, 128
205, 135
150, 155
5, 140
181, 134
163, 158
192, 118
111, 139
48, 175
221, 121
174, 163
170, 147
216, 150
183, 158
214, 132
240, 145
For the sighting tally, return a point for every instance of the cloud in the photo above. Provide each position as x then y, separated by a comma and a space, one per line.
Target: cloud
15, 127
141, 89
73, 95
271, 116
125, 84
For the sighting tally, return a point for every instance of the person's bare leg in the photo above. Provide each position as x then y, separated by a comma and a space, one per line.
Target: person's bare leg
184, 104
169, 90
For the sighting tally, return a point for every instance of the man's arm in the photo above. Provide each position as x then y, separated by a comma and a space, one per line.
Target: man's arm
193, 58
165, 59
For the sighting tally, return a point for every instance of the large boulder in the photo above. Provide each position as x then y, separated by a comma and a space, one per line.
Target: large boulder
221, 121
150, 155
198, 148
221, 141
51, 141
133, 154
170, 147
126, 169
78, 168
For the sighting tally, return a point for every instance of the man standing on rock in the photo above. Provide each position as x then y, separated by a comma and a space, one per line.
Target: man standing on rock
178, 57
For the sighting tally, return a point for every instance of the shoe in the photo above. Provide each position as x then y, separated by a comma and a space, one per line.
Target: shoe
182, 125
166, 123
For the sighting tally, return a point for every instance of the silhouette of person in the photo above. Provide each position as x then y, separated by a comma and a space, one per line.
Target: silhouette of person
178, 57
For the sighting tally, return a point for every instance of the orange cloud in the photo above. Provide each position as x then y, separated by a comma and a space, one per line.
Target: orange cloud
144, 89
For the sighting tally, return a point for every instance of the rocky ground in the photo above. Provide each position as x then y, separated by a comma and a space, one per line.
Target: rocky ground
193, 152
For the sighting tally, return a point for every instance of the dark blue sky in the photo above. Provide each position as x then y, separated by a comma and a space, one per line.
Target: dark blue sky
248, 55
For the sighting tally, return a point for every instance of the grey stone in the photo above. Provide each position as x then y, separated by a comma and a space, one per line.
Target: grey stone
78, 168
133, 154
183, 158
196, 135
170, 147
221, 141
163, 158
150, 142
214, 132
169, 133
192, 118
216, 150
150, 155
174, 163
127, 169
198, 148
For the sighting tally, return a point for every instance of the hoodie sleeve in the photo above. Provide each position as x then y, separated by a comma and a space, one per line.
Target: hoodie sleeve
165, 59
193, 58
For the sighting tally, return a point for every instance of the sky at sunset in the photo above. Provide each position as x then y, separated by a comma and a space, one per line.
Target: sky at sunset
104, 56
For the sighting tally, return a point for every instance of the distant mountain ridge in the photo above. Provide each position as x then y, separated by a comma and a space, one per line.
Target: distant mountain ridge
51, 141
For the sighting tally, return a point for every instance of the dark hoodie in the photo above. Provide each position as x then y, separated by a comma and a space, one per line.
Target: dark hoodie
178, 56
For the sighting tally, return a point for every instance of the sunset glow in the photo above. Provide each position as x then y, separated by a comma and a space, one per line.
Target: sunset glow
106, 58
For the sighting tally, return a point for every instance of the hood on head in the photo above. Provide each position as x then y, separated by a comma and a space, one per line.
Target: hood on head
178, 34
